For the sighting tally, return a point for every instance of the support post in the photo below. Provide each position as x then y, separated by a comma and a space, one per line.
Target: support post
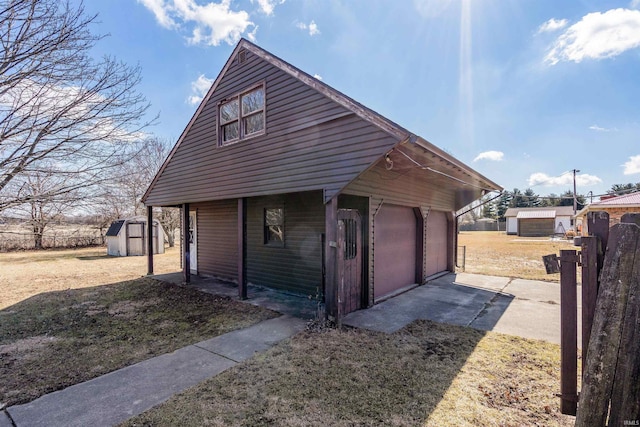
331, 243
568, 332
186, 244
149, 240
242, 248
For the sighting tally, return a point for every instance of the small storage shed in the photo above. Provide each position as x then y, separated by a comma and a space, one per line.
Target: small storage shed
127, 237
539, 222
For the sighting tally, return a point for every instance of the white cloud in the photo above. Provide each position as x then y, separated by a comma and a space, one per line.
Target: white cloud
267, 6
540, 178
601, 129
160, 10
552, 25
496, 156
312, 27
317, 76
632, 166
252, 34
210, 23
199, 88
597, 35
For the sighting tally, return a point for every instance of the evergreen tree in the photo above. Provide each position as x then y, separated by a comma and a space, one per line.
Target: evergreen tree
531, 198
502, 204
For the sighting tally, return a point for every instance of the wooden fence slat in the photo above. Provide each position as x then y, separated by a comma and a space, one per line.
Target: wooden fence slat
568, 332
607, 332
589, 289
625, 399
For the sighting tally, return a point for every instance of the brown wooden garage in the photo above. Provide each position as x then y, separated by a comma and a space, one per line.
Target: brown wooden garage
394, 254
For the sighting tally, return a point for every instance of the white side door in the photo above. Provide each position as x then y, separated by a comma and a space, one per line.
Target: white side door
193, 242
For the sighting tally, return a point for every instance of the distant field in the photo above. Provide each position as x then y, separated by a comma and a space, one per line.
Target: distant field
497, 254
27, 273
19, 237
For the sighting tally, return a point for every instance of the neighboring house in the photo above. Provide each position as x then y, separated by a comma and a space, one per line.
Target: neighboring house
127, 237
614, 206
539, 222
288, 183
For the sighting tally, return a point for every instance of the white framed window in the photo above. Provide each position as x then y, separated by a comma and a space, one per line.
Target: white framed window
242, 116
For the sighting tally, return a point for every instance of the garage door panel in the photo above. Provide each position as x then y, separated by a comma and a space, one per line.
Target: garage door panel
536, 227
394, 249
437, 244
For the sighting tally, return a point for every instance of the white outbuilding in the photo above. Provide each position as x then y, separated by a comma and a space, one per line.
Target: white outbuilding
539, 222
127, 237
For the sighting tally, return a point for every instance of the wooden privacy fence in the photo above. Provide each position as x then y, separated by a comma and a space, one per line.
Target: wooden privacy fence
610, 261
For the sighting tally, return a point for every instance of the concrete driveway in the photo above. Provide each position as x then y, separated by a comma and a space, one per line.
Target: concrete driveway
525, 308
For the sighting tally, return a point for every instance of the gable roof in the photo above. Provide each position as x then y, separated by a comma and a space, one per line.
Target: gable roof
625, 199
539, 212
396, 135
631, 200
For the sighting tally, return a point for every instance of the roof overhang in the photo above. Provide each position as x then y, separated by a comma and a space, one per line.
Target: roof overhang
536, 214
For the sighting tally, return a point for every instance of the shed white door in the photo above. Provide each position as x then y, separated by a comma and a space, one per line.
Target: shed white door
193, 242
394, 252
437, 243
135, 238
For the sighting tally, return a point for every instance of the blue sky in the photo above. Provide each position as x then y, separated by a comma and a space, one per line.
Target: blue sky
521, 90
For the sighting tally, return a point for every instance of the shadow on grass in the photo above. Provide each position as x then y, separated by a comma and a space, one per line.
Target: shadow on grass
56, 339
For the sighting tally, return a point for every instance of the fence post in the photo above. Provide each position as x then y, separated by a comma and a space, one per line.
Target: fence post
568, 332
610, 384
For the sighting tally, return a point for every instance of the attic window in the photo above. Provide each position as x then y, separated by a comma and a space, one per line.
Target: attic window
242, 56
242, 116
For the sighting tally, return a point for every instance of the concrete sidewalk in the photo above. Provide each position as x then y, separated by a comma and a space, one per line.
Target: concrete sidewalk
125, 393
526, 308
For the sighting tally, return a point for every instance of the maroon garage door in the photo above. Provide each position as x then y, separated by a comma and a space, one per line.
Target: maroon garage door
436, 242
394, 251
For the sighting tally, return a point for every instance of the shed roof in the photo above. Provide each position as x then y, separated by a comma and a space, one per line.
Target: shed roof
115, 227
536, 214
557, 211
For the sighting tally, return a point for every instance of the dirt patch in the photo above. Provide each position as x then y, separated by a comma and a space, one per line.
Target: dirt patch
426, 374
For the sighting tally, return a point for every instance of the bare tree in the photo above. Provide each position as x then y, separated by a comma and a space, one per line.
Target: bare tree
133, 177
43, 209
62, 112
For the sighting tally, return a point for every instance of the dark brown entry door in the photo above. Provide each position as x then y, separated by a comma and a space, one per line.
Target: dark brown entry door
349, 261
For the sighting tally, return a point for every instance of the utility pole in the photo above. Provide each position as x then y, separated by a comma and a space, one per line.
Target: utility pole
575, 199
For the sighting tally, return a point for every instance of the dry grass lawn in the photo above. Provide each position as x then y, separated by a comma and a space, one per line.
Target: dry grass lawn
28, 273
495, 253
57, 339
67, 316
425, 374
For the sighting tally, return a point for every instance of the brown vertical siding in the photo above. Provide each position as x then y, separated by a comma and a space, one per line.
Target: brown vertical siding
296, 267
217, 238
311, 143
